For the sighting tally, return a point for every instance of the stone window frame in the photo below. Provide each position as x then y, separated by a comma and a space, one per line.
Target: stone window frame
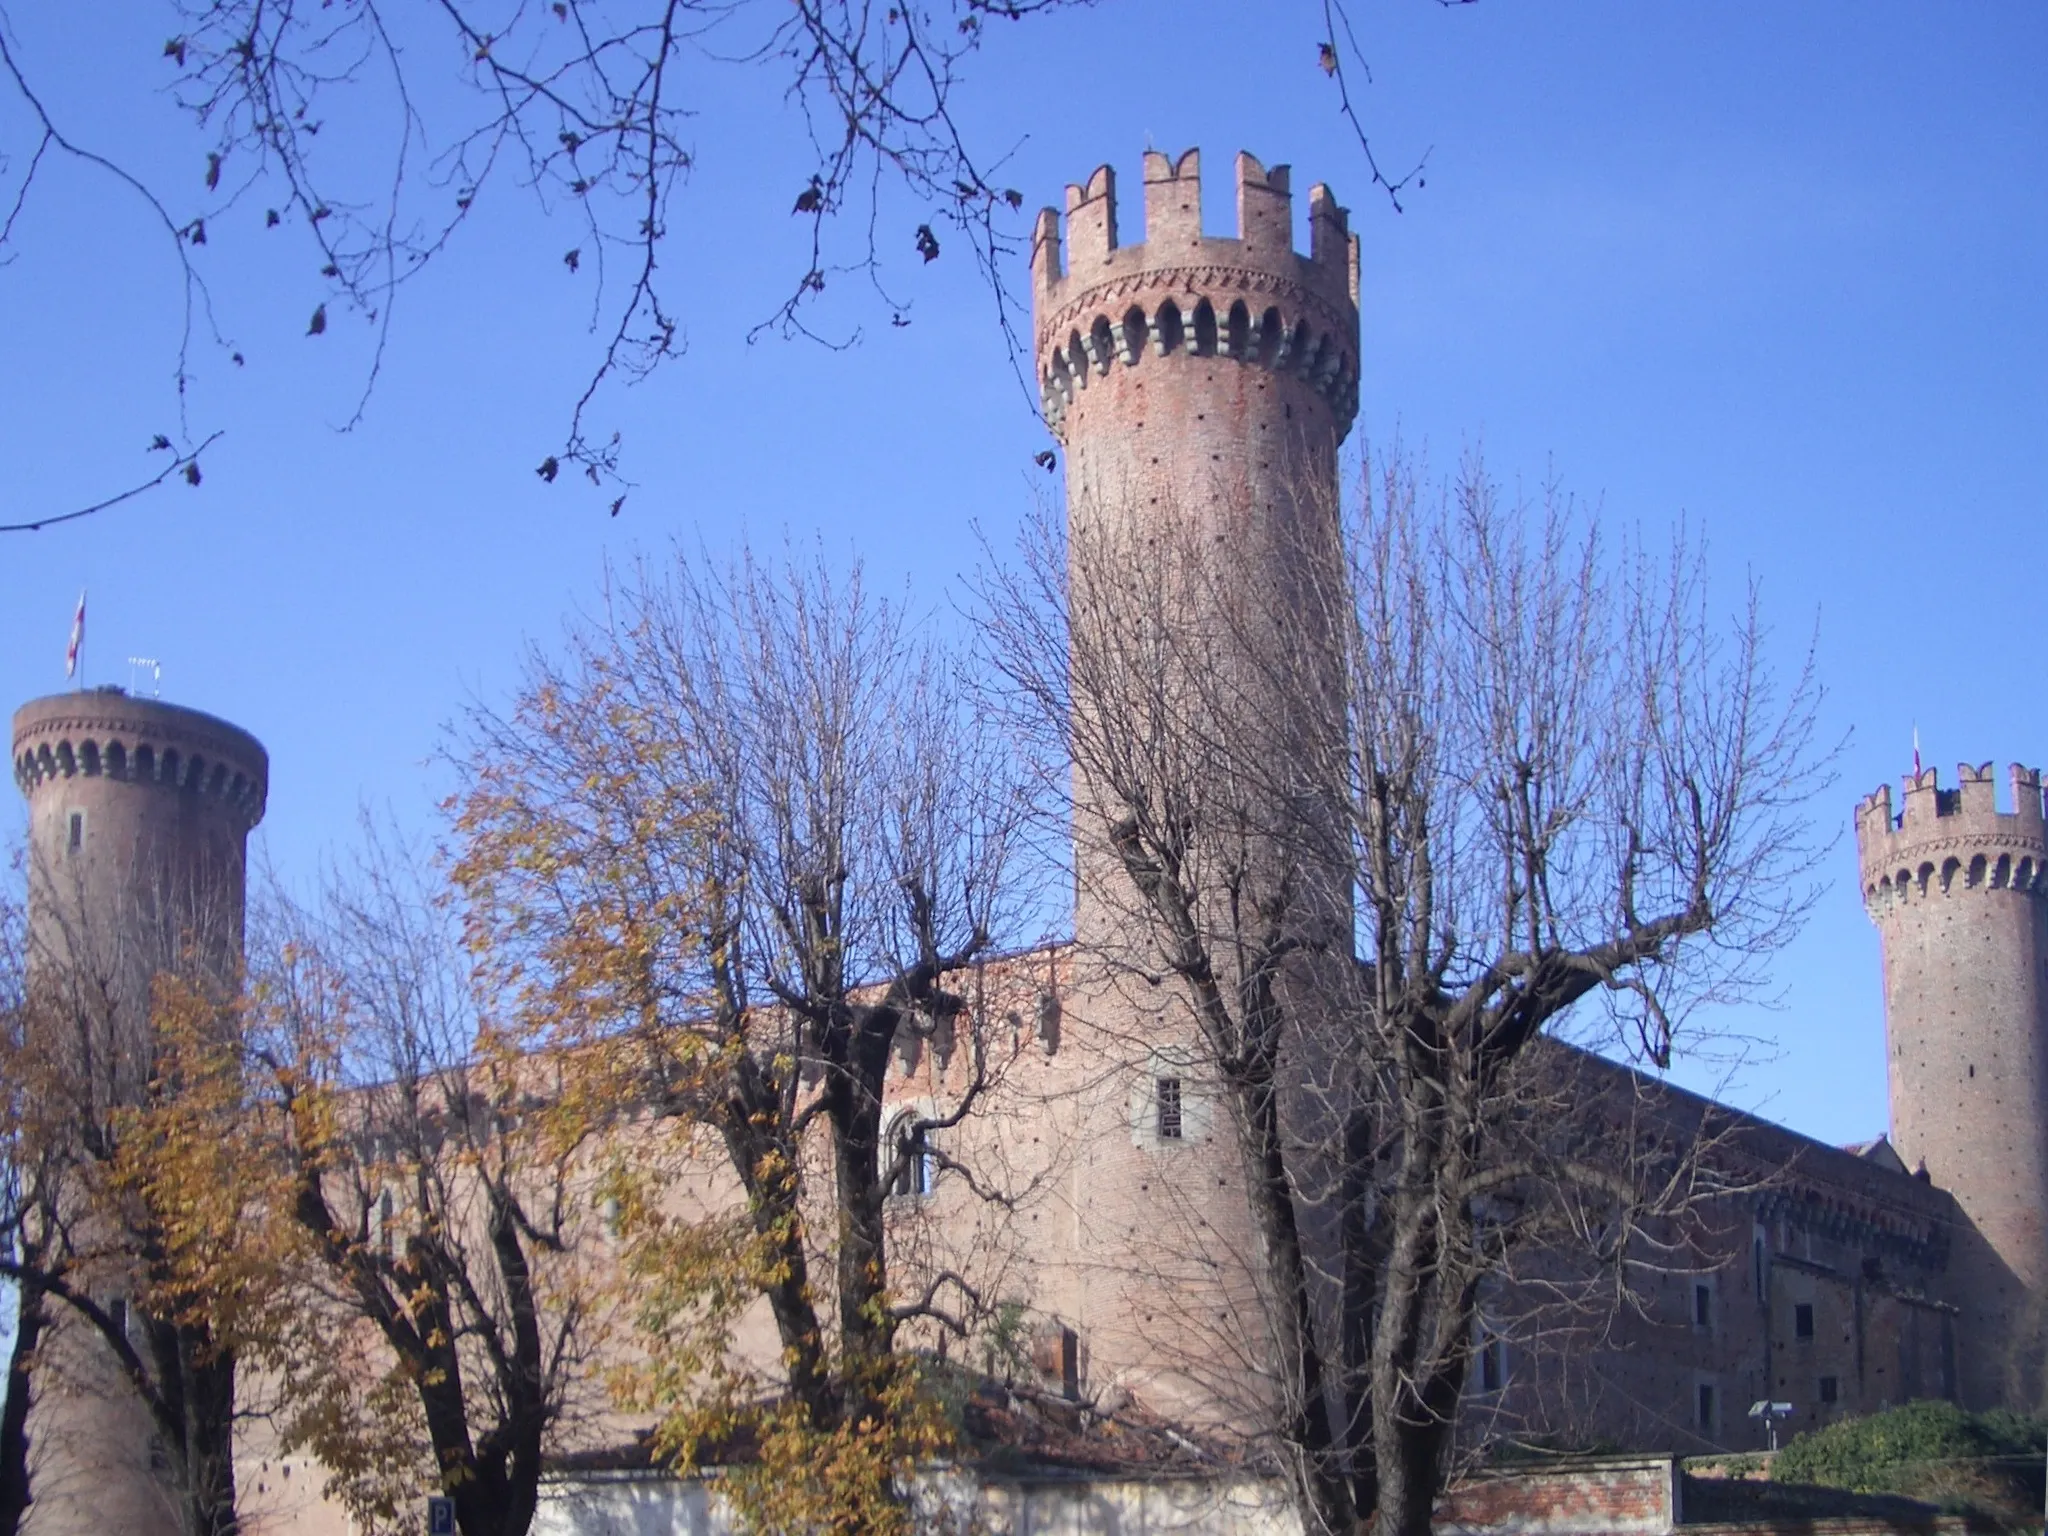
1175, 1064
919, 1180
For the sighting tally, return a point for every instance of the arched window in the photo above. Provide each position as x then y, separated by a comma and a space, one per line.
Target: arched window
908, 1146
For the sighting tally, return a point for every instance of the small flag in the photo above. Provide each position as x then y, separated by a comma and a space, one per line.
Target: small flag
77, 637
1916, 740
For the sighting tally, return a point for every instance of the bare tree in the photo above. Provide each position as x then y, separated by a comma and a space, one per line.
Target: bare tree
735, 844
1535, 775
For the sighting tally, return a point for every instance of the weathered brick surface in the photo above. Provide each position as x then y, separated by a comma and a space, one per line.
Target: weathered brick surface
1621, 1494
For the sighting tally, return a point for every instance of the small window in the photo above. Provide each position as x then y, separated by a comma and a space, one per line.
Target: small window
117, 1309
1702, 1304
76, 838
1756, 1265
1830, 1389
1493, 1362
1705, 1405
1802, 1320
1166, 1095
385, 1211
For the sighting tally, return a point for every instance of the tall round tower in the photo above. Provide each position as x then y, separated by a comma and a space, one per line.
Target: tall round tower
1959, 892
139, 816
1201, 385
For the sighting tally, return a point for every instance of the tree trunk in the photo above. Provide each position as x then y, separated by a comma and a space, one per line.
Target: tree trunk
867, 1331
767, 1172
15, 1494
1406, 1457
209, 1435
1305, 1425
1361, 1256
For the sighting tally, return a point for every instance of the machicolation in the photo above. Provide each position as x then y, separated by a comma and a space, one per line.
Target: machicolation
1951, 840
107, 734
1251, 298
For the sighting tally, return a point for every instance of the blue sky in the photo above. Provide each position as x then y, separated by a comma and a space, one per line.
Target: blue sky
1776, 270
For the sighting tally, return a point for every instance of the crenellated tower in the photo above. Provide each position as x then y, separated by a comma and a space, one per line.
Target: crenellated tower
139, 817
1958, 890
1201, 385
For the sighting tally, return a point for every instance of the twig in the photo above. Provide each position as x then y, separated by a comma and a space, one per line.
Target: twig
176, 466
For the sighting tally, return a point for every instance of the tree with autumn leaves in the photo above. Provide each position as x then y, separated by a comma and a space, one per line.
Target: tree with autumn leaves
737, 840
473, 1156
314, 1198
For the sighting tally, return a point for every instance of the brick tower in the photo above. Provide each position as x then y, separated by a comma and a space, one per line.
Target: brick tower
139, 815
1201, 386
1959, 892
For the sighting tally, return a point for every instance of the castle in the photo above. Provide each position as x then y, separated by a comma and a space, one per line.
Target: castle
1211, 379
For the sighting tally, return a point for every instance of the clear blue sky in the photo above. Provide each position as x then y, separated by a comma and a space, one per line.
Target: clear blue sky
1776, 269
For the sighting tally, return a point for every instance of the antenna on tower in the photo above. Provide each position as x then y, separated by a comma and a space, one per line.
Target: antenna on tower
156, 674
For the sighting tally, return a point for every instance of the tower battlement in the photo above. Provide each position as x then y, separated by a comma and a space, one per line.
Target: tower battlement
108, 734
1952, 839
1250, 297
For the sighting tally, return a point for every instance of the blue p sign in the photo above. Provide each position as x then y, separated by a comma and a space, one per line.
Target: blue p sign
440, 1516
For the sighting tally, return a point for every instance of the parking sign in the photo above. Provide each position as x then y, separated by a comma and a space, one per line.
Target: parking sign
440, 1516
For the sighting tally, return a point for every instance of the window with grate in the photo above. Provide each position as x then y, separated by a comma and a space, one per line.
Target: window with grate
1705, 1406
1166, 1096
1830, 1389
77, 831
1702, 1304
1802, 1320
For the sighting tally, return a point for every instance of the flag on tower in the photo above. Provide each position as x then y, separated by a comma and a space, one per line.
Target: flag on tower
1916, 729
77, 637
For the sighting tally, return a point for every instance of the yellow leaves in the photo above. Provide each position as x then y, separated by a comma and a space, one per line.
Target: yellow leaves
804, 1477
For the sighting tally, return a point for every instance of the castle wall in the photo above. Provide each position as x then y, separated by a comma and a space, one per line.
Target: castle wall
1824, 1276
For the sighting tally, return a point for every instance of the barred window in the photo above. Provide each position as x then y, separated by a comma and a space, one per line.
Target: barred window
1166, 1096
